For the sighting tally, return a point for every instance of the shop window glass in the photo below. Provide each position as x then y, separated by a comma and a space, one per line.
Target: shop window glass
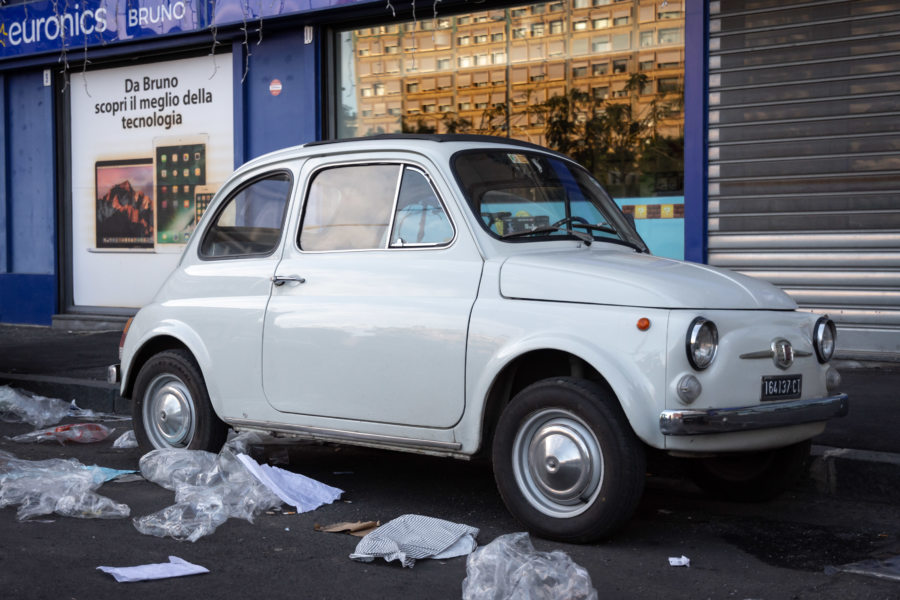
586, 72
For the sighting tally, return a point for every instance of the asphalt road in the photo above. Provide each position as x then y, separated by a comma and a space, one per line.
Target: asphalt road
774, 550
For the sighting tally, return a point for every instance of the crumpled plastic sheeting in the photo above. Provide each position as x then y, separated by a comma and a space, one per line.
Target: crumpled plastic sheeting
38, 411
413, 537
62, 486
82, 433
209, 490
888, 568
126, 440
509, 568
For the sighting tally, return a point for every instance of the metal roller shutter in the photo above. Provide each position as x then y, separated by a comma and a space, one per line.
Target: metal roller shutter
804, 157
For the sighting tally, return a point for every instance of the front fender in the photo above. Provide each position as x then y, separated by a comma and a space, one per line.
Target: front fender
631, 361
145, 330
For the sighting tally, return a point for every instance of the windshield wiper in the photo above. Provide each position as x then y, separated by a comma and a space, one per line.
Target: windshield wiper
587, 239
574, 221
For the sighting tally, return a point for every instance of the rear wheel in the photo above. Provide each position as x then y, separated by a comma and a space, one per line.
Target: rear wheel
171, 405
750, 476
566, 461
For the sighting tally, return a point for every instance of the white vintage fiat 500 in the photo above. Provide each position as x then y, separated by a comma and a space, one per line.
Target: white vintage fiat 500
461, 294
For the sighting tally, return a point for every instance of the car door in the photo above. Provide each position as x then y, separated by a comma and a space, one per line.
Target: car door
369, 314
223, 285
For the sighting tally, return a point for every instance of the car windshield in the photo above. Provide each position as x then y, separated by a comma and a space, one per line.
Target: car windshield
517, 194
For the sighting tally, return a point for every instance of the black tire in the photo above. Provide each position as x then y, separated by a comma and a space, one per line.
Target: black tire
750, 476
596, 488
171, 407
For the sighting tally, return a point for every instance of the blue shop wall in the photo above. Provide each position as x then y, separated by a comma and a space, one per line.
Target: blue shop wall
273, 118
28, 283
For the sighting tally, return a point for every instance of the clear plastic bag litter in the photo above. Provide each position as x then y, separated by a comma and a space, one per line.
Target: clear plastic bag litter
62, 486
126, 440
209, 490
509, 568
38, 411
82, 433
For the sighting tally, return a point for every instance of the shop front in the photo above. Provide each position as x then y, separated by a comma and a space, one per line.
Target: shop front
122, 119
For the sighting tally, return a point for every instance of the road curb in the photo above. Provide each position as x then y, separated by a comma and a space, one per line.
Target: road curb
98, 396
856, 474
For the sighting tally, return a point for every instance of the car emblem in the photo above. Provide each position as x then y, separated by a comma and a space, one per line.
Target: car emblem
782, 353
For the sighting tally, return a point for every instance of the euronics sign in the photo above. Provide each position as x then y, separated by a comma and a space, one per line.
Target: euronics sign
51, 25
47, 25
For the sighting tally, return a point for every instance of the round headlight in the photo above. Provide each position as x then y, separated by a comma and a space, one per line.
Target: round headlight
824, 336
702, 343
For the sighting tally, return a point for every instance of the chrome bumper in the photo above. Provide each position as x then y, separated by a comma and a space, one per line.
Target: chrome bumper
112, 374
746, 418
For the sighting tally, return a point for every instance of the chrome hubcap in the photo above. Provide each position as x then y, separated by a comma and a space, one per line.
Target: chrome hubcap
558, 463
168, 412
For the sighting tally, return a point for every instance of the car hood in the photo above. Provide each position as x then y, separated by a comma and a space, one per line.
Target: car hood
611, 276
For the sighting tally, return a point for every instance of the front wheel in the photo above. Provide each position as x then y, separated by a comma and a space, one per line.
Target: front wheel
566, 462
750, 476
171, 405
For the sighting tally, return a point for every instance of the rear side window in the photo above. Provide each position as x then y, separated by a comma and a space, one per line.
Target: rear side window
250, 220
420, 218
368, 207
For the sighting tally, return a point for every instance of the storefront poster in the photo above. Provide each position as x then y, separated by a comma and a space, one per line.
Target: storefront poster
150, 145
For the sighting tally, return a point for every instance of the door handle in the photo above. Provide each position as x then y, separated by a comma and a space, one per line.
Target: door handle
280, 280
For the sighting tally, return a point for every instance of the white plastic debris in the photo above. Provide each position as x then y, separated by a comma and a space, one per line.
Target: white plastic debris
302, 492
176, 567
413, 537
888, 568
126, 440
209, 490
509, 568
82, 433
38, 411
62, 486
683, 561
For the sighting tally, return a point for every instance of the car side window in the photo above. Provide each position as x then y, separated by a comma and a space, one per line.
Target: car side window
420, 217
349, 208
367, 207
250, 220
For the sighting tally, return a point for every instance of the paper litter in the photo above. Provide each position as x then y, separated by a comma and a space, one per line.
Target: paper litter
358, 529
413, 537
675, 561
176, 567
297, 490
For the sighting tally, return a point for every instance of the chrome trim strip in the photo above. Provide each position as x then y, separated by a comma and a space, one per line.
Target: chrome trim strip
348, 436
771, 354
747, 418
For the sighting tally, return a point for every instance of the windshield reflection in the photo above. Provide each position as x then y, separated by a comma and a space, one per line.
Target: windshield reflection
519, 194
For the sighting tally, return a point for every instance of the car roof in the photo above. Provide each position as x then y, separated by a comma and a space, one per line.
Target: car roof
391, 141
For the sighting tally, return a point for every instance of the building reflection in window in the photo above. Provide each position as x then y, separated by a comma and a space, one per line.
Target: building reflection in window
600, 81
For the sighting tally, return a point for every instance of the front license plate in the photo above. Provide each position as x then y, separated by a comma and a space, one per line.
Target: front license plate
781, 387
